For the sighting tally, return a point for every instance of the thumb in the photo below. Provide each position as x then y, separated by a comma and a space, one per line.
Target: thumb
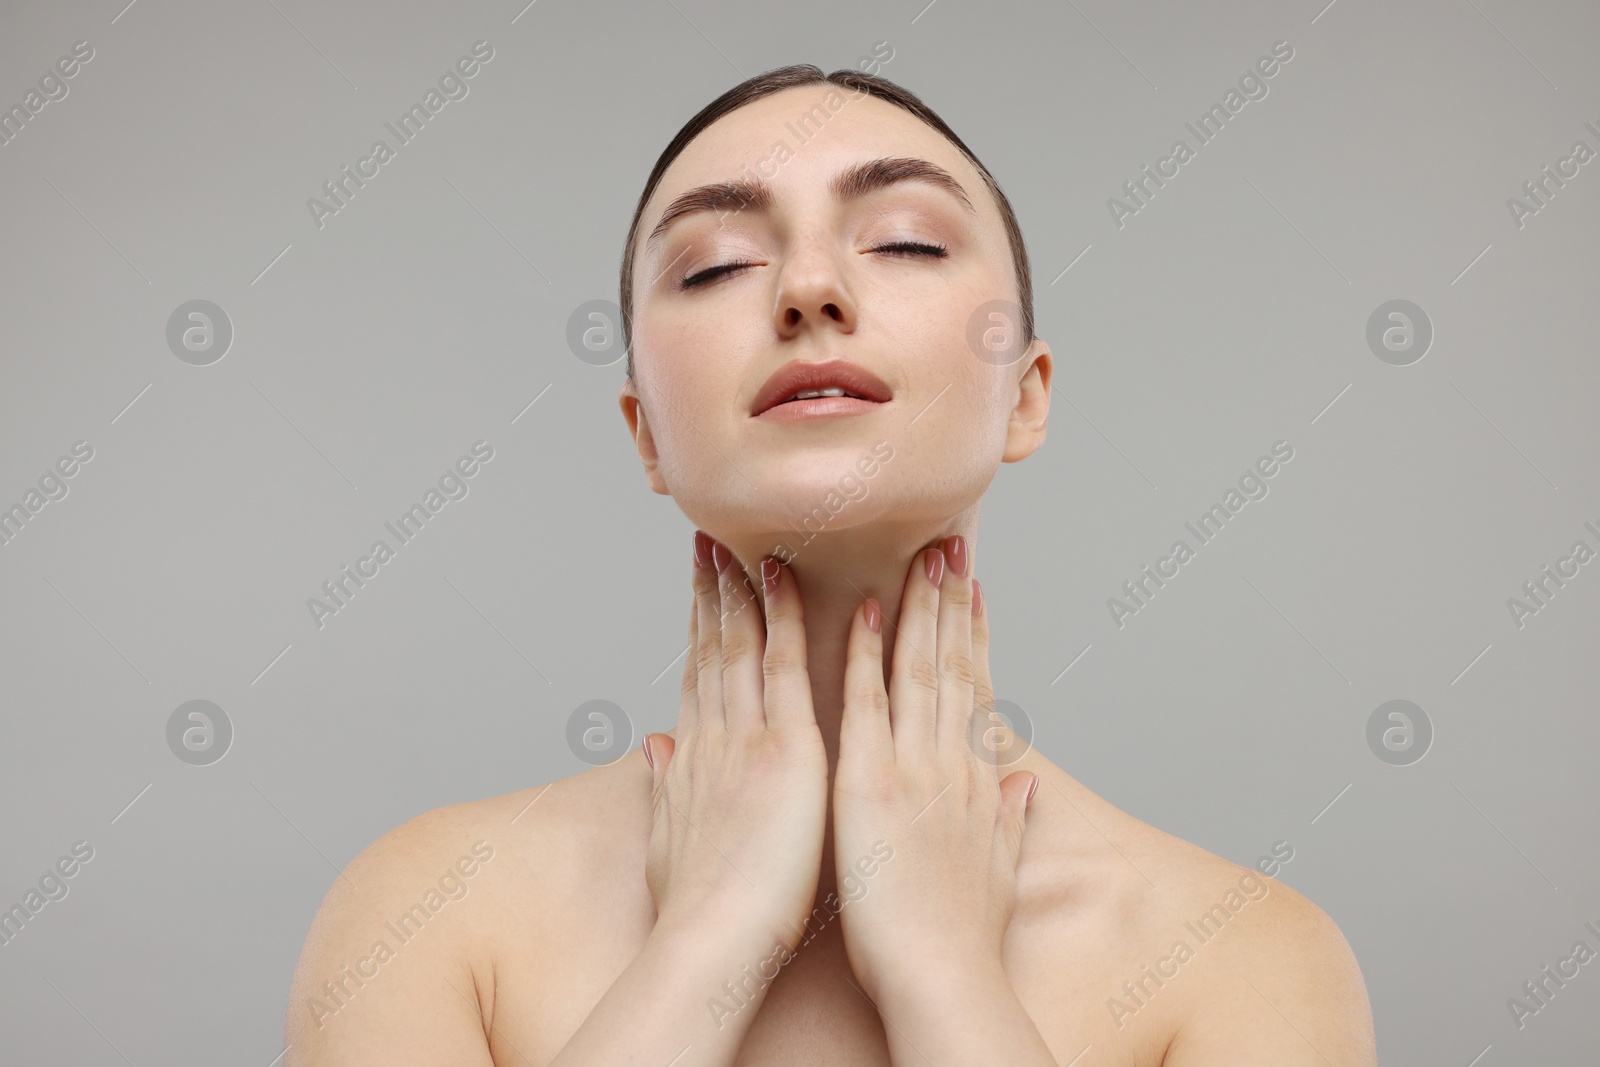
1016, 790
658, 754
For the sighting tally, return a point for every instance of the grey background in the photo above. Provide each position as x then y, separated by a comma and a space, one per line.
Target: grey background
369, 354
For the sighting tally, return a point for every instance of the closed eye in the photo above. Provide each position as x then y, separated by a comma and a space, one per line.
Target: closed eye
915, 248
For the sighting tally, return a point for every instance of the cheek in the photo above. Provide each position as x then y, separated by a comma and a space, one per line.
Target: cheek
690, 397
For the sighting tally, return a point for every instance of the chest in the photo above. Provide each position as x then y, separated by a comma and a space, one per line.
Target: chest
1065, 971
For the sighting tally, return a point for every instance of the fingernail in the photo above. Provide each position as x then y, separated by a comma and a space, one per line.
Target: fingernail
955, 546
977, 599
935, 566
720, 555
1034, 788
874, 615
645, 744
769, 574
702, 548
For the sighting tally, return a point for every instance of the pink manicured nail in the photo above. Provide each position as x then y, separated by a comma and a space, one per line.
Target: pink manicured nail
955, 546
935, 566
720, 555
977, 599
702, 548
874, 615
645, 744
769, 574
1034, 788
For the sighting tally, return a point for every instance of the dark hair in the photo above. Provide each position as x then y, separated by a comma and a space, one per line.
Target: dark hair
789, 77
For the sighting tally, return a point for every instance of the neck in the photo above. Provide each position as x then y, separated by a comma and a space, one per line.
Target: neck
835, 571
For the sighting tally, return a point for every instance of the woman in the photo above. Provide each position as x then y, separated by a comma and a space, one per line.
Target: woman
825, 861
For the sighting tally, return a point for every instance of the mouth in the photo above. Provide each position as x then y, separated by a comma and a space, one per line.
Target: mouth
832, 386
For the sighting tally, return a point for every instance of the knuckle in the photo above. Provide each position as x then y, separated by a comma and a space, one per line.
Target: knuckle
777, 612
707, 654
781, 660
957, 666
958, 596
923, 673
705, 584
736, 648
875, 700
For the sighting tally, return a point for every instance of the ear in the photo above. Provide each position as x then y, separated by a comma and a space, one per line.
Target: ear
1025, 432
643, 440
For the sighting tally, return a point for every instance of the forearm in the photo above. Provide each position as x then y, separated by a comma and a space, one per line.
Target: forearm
950, 1014
688, 988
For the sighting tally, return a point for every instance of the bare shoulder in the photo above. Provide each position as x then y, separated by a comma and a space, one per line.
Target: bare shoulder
402, 958
1221, 963
387, 970
1287, 989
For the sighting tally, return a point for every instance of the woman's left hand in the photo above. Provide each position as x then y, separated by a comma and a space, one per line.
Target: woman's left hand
926, 834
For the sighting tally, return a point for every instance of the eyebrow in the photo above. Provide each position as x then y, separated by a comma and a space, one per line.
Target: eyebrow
852, 183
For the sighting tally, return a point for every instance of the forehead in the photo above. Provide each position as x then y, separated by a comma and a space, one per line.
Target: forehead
799, 138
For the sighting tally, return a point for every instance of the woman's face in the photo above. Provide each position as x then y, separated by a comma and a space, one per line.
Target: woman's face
819, 285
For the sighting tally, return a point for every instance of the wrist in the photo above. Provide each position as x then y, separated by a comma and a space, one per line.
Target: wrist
716, 934
934, 973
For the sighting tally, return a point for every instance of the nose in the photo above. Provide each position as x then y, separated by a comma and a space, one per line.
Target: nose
812, 290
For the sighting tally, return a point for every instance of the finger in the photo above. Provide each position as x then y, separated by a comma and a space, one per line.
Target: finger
785, 677
659, 756
864, 726
1016, 793
743, 642
957, 676
914, 674
710, 719
688, 694
988, 730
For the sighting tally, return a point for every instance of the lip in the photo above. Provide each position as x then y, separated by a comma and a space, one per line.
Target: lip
800, 375
821, 407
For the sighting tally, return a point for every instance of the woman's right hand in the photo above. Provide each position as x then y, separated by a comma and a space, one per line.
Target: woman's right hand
739, 816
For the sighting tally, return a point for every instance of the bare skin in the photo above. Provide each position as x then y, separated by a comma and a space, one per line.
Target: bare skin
556, 920
619, 907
